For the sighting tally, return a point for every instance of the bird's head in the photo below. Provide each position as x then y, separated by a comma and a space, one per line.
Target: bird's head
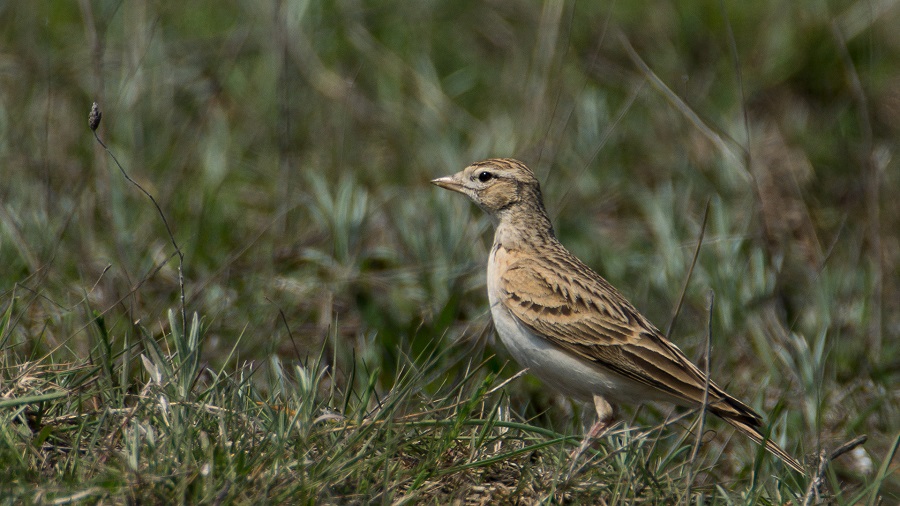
497, 185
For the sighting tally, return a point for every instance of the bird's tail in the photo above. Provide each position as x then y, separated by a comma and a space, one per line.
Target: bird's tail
749, 426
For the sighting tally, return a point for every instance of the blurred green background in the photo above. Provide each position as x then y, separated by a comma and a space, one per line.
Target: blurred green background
290, 144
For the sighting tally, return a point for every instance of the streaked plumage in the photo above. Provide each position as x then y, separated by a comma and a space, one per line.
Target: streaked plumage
567, 324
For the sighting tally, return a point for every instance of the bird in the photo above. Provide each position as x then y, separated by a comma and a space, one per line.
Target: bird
570, 327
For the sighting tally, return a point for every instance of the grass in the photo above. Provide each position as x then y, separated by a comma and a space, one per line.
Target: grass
334, 344
188, 434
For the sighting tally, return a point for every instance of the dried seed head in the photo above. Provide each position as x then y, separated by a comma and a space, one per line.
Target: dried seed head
94, 118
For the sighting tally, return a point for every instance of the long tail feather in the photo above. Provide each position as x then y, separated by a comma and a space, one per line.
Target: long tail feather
754, 434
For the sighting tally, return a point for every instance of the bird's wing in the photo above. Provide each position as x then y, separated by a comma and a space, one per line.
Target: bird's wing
585, 315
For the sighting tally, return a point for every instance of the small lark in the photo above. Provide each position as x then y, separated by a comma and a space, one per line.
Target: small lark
567, 324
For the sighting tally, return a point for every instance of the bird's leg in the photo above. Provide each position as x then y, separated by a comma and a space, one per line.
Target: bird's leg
606, 415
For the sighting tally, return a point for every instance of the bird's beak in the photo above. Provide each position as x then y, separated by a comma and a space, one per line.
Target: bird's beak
448, 183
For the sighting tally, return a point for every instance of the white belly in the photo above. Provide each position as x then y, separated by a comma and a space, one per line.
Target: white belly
558, 368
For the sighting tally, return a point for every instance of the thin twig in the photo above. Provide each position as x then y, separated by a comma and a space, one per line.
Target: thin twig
607, 134
290, 334
872, 181
94, 122
565, 124
690, 272
813, 491
736, 60
562, 60
703, 408
849, 446
725, 143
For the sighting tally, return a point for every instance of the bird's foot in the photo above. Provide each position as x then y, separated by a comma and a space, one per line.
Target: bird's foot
605, 419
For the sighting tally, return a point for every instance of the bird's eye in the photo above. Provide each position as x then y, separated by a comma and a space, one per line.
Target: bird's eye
485, 176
